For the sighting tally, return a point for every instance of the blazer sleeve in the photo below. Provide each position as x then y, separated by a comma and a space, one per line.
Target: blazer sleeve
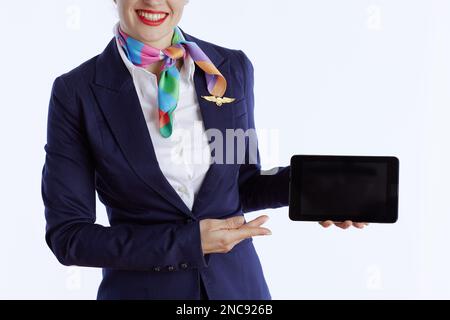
259, 190
68, 192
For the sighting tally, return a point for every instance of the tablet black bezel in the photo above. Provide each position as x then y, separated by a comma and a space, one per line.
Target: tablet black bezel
391, 189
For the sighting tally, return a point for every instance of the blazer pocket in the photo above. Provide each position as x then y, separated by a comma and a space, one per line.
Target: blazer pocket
239, 107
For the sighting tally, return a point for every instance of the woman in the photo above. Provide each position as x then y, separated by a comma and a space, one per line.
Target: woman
177, 228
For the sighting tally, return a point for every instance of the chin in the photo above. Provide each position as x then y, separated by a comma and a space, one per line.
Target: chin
152, 33
151, 36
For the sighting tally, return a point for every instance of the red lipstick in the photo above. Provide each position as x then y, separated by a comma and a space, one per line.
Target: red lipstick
145, 17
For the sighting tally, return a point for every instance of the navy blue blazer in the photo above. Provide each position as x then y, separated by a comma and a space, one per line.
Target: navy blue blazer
97, 140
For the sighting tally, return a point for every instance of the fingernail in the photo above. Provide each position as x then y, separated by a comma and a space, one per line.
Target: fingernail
268, 233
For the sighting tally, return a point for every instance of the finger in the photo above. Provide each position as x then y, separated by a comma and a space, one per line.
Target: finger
233, 222
359, 225
247, 232
344, 225
348, 224
258, 221
229, 223
326, 223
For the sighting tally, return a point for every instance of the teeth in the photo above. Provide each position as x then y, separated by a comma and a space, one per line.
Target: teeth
150, 16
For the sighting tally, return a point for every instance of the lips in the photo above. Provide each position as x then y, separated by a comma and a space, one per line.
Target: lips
152, 17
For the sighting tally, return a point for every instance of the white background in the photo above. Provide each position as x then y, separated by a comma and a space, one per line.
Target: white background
340, 77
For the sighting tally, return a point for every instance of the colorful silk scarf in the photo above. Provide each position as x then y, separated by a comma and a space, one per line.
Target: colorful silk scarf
143, 55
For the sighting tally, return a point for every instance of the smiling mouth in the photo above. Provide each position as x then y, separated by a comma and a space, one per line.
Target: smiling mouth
151, 17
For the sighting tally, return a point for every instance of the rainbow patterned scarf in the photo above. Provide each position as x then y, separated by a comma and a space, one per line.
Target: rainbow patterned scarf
143, 55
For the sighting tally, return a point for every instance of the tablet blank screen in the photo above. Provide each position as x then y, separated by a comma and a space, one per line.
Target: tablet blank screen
338, 187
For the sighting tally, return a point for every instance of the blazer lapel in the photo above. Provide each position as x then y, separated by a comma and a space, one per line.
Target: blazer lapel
214, 117
118, 100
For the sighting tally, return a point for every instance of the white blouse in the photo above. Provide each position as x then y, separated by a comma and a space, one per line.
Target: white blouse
185, 156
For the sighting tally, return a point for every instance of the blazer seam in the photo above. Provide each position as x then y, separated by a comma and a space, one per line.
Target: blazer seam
244, 71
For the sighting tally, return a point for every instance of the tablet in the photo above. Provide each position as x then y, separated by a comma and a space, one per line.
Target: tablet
339, 188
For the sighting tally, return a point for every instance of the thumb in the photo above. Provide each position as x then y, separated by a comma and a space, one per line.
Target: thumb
258, 221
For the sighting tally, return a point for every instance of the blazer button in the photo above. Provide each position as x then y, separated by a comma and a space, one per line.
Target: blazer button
156, 269
184, 265
171, 268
